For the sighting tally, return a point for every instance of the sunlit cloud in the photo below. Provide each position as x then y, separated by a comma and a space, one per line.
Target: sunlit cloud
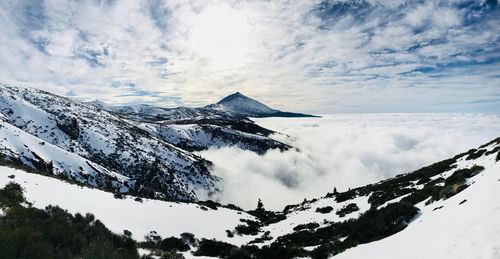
311, 56
344, 151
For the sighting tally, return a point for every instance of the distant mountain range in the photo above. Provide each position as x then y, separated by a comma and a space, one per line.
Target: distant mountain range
234, 106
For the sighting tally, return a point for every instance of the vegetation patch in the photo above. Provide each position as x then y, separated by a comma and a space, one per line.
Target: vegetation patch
348, 209
250, 228
372, 225
27, 232
459, 176
211, 247
476, 154
324, 210
308, 226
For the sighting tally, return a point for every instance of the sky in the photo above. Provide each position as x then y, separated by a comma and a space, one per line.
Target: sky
304, 56
344, 151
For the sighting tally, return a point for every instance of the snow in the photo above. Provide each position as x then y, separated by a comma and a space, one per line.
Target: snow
98, 136
468, 230
308, 214
239, 103
17, 143
166, 218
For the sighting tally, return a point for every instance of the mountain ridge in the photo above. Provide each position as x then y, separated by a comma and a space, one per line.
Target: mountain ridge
148, 153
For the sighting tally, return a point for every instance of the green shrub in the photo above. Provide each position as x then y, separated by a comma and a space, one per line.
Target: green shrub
27, 232
11, 195
349, 208
344, 196
173, 244
211, 247
309, 226
459, 176
476, 154
250, 228
189, 238
324, 210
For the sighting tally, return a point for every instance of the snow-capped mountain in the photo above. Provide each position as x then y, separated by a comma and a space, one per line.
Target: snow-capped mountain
150, 165
144, 150
195, 129
240, 104
446, 209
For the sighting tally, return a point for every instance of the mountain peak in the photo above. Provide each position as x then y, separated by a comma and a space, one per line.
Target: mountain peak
239, 103
232, 97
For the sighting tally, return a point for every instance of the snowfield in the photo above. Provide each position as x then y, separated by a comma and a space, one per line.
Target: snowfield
459, 231
166, 218
463, 226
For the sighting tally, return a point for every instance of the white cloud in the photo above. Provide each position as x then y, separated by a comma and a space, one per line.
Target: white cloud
344, 151
207, 49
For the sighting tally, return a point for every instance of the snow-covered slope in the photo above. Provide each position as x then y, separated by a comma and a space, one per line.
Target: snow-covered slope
463, 226
138, 216
200, 136
456, 212
158, 168
196, 129
22, 148
456, 219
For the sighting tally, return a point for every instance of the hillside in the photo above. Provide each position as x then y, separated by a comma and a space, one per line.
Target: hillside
456, 196
147, 154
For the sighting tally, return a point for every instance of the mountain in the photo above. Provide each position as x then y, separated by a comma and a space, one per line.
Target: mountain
454, 201
144, 150
240, 104
123, 165
60, 136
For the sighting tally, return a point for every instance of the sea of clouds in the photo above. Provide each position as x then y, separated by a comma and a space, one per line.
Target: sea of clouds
343, 151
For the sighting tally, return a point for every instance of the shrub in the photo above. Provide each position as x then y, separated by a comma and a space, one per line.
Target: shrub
309, 226
349, 208
238, 253
263, 238
173, 244
459, 176
476, 154
344, 196
188, 238
250, 228
210, 204
118, 195
27, 232
324, 210
210, 247
11, 195
377, 224
279, 252
370, 226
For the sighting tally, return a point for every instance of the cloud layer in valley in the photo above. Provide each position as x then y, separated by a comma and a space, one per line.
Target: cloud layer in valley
310, 56
344, 151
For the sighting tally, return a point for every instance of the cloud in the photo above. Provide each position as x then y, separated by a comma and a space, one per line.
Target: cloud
320, 56
344, 151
